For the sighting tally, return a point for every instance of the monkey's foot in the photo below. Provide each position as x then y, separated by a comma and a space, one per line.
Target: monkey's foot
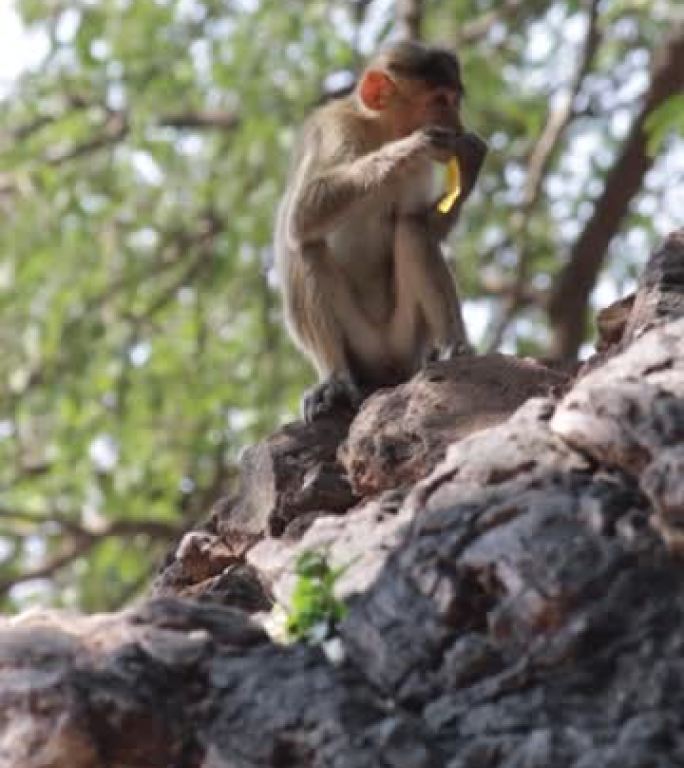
337, 390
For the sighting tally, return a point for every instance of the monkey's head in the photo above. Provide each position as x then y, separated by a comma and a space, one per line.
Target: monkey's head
410, 86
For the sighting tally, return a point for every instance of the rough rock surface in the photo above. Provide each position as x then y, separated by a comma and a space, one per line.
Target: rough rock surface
400, 435
515, 599
176, 683
661, 290
629, 414
291, 474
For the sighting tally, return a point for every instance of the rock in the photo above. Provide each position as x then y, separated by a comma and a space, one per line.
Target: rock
663, 482
174, 683
205, 567
198, 556
612, 321
401, 434
629, 413
632, 407
358, 543
660, 294
290, 474
510, 600
509, 554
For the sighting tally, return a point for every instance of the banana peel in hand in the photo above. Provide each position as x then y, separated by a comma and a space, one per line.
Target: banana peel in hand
453, 187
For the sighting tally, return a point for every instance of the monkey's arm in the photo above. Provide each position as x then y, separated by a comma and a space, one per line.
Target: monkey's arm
322, 198
470, 151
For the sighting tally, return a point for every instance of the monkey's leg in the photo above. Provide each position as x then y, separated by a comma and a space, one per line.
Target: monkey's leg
327, 323
425, 288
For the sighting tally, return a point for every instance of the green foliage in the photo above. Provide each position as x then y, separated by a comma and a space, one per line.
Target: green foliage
668, 118
315, 610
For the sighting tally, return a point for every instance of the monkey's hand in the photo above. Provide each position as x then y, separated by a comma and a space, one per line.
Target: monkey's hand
470, 150
444, 143
440, 143
337, 390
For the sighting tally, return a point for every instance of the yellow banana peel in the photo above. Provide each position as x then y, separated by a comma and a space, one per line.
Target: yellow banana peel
453, 186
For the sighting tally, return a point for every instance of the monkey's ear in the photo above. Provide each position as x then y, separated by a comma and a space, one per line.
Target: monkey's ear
375, 89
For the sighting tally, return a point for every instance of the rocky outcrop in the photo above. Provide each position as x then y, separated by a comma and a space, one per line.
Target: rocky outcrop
400, 435
510, 547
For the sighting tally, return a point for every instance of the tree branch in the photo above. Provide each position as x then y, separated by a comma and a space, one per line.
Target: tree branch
479, 28
568, 304
76, 549
216, 120
183, 243
556, 124
115, 128
80, 540
558, 120
211, 227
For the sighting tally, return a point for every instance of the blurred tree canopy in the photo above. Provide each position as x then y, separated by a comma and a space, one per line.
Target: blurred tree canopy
141, 160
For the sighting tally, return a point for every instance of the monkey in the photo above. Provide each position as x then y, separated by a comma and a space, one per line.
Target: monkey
367, 294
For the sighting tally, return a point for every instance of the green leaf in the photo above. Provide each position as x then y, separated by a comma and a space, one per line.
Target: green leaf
667, 118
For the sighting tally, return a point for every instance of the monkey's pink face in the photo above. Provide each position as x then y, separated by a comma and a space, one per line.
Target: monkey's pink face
423, 105
408, 104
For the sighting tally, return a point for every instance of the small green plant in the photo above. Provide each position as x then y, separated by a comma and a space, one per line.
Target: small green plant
315, 610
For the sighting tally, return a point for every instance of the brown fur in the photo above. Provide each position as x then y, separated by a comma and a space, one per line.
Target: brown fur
367, 293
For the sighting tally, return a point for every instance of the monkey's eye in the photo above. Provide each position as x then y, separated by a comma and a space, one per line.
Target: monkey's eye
444, 100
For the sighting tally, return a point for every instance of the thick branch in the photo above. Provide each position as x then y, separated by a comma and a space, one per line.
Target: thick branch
76, 548
567, 307
80, 540
115, 128
559, 119
557, 122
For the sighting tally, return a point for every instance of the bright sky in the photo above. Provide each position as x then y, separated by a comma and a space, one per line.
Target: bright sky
19, 49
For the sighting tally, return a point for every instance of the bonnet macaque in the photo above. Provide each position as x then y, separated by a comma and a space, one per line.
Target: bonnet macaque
367, 294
